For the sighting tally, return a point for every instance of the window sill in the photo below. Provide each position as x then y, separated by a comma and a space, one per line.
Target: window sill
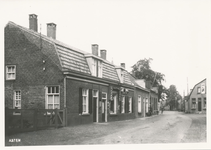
193, 108
85, 114
112, 114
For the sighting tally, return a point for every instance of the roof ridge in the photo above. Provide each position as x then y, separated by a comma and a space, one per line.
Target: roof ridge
48, 38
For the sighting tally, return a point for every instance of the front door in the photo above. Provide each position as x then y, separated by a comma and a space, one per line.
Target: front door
94, 109
103, 111
199, 106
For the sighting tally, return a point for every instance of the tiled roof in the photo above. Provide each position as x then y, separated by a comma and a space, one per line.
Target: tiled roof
109, 72
64, 56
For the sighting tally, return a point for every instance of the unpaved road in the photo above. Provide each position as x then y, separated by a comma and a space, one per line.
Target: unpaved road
170, 127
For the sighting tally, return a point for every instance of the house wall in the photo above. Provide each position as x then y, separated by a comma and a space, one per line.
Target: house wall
196, 95
122, 116
153, 101
72, 102
144, 95
31, 79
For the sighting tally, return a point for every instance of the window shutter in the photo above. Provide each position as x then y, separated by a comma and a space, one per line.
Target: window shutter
120, 105
90, 101
80, 101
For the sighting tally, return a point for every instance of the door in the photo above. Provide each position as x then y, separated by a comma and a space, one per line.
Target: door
104, 106
199, 106
94, 109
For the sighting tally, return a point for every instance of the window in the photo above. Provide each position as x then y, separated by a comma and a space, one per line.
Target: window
10, 72
193, 103
104, 98
53, 100
198, 90
139, 104
205, 102
130, 105
94, 67
97, 68
123, 104
17, 100
113, 103
100, 70
85, 101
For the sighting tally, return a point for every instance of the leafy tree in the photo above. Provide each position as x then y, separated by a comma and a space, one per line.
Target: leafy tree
142, 70
173, 97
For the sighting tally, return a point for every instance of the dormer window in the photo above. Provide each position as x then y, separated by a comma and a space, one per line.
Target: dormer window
97, 69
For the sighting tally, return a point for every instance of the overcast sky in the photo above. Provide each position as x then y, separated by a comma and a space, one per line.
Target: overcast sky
174, 33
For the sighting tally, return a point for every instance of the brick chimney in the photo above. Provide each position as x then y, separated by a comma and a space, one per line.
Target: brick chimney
33, 22
95, 49
123, 65
51, 30
103, 54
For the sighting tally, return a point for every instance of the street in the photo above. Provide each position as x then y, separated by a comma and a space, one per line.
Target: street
169, 127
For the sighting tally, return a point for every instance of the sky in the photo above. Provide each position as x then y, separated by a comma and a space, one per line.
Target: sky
174, 33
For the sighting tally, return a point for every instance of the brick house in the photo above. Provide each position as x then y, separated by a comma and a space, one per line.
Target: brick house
43, 73
197, 98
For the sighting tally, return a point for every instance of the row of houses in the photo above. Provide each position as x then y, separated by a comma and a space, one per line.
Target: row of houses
44, 73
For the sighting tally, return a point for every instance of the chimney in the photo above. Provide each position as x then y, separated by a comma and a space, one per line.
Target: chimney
123, 65
51, 30
103, 54
33, 22
95, 49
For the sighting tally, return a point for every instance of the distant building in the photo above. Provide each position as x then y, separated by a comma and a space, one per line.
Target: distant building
197, 99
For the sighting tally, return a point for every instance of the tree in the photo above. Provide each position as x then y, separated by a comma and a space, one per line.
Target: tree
142, 70
173, 97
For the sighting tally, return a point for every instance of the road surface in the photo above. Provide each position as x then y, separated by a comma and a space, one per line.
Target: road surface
169, 127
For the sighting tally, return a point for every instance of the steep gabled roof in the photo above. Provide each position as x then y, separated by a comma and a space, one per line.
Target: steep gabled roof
195, 86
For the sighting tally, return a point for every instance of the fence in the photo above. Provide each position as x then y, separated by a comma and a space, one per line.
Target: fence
23, 120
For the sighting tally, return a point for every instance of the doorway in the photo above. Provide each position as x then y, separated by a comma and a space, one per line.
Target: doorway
95, 105
104, 107
199, 106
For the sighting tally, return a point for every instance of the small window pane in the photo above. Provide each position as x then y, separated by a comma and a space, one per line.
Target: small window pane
50, 99
56, 99
50, 106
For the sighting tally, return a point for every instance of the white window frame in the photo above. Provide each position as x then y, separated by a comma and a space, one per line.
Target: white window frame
114, 98
52, 93
198, 90
94, 67
104, 99
85, 101
17, 99
123, 104
139, 103
193, 105
130, 102
8, 72
100, 69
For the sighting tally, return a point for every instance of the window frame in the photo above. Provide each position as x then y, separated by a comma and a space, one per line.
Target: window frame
198, 90
123, 104
115, 103
193, 104
130, 104
87, 101
139, 106
7, 72
205, 102
52, 94
104, 99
